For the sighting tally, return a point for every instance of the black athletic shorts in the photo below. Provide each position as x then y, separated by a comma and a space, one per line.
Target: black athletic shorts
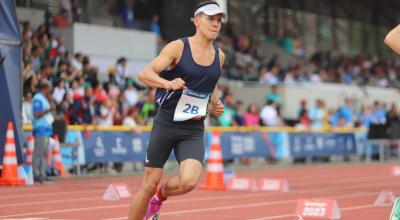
185, 138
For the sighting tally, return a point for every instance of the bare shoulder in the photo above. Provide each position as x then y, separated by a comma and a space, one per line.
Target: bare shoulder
221, 57
173, 49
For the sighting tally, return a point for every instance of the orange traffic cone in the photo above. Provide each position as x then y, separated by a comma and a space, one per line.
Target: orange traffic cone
215, 168
10, 170
57, 163
29, 151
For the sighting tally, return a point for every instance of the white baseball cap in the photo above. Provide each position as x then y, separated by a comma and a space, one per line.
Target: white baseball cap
210, 9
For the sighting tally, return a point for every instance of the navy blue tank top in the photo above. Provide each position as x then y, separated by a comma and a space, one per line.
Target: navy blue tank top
197, 77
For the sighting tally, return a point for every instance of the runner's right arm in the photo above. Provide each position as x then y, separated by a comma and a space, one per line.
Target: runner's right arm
392, 39
167, 58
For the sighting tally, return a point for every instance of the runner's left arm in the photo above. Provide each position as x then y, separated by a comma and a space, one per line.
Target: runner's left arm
217, 108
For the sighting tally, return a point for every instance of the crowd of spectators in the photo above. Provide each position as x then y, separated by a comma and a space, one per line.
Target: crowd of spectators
82, 98
310, 115
246, 60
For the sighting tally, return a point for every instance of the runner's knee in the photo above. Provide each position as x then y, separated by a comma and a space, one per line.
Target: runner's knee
187, 184
149, 186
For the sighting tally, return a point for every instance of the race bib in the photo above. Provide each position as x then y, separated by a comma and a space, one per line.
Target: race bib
192, 104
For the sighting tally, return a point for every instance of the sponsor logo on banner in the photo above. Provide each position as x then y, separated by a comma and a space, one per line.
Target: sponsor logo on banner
242, 184
349, 145
99, 150
118, 149
318, 208
320, 143
116, 192
239, 184
242, 144
137, 145
309, 145
304, 144
274, 185
296, 144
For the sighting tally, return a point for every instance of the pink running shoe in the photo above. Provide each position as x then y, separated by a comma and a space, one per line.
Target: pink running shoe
154, 209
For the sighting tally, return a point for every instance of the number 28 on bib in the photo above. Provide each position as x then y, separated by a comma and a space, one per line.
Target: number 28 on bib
192, 104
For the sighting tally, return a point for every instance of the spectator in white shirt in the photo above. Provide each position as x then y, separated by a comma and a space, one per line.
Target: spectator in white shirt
269, 115
131, 95
59, 92
27, 113
105, 116
270, 77
77, 61
121, 73
131, 120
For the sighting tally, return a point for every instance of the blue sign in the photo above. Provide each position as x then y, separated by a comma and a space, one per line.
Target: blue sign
321, 144
105, 146
239, 144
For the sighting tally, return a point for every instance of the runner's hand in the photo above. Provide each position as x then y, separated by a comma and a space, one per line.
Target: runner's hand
175, 84
217, 109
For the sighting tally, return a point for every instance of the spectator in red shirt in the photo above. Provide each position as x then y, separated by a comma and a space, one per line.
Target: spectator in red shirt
61, 19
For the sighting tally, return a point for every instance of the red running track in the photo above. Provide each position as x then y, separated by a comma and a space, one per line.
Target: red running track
355, 187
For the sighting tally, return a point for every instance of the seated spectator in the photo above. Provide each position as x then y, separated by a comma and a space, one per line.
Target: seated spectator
127, 15
273, 96
105, 113
59, 92
238, 117
345, 114
295, 75
76, 11
378, 114
148, 108
132, 119
131, 95
303, 118
269, 115
270, 77
252, 115
155, 28
364, 117
249, 74
61, 19
227, 118
121, 73
27, 113
318, 115
77, 61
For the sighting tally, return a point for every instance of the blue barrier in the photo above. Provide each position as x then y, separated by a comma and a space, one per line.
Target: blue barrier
115, 146
119, 146
256, 144
322, 144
